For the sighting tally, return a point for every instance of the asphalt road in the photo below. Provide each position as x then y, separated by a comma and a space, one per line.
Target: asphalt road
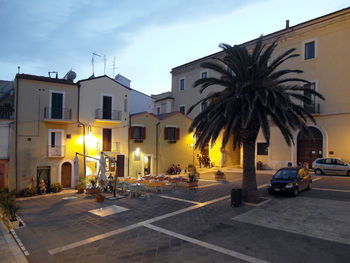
193, 226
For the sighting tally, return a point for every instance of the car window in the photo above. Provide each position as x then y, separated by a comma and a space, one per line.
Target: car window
285, 174
328, 161
320, 161
340, 162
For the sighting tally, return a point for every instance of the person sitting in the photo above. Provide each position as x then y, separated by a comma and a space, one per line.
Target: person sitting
42, 187
178, 169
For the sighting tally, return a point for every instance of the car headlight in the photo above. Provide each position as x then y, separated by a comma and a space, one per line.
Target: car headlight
289, 185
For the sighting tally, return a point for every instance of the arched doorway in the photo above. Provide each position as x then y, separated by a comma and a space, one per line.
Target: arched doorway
309, 147
66, 174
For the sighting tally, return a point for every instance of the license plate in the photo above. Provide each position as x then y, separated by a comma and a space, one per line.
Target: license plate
277, 189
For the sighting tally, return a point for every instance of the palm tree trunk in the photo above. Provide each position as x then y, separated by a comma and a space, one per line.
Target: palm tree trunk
249, 188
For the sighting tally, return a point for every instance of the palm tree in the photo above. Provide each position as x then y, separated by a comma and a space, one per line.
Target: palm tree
255, 93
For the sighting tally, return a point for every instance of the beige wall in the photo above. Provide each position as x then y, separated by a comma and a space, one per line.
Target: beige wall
180, 152
33, 131
91, 92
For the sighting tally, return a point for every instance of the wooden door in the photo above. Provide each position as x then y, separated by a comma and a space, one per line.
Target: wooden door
56, 105
66, 174
107, 140
3, 183
121, 161
309, 147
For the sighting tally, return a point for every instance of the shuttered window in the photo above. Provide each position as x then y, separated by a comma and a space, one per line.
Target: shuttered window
138, 134
171, 134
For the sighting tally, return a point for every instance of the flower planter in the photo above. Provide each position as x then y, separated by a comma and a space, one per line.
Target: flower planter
80, 191
92, 191
100, 198
220, 177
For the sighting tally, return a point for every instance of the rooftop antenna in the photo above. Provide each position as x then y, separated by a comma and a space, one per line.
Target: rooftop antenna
114, 67
93, 61
104, 65
19, 69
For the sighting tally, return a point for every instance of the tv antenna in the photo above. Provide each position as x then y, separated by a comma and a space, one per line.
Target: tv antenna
93, 61
104, 65
114, 67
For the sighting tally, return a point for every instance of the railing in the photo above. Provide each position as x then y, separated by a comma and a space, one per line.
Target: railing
58, 114
113, 115
56, 150
313, 108
6, 112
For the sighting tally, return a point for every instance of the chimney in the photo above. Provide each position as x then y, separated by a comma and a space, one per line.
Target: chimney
287, 23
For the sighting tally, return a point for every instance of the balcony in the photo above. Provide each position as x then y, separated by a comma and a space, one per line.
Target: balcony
313, 108
57, 115
113, 116
56, 150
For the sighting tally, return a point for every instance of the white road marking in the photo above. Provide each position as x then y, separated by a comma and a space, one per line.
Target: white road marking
179, 199
262, 186
130, 227
206, 245
316, 179
329, 189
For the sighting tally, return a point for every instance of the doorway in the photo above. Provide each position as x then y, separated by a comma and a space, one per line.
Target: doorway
309, 147
147, 164
66, 175
121, 163
107, 140
43, 173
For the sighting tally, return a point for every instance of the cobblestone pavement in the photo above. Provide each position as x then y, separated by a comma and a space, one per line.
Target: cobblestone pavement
166, 227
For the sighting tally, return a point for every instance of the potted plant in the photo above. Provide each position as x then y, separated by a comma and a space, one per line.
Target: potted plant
56, 187
192, 178
220, 176
93, 188
100, 197
10, 207
81, 185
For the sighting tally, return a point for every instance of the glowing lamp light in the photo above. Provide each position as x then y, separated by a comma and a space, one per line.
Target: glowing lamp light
137, 153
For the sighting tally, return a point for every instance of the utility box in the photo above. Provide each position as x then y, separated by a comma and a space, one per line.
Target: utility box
236, 197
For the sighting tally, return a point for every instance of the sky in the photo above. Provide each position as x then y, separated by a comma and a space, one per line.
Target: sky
146, 38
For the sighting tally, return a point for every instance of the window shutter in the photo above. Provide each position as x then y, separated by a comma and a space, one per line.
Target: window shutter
166, 133
177, 133
131, 132
143, 133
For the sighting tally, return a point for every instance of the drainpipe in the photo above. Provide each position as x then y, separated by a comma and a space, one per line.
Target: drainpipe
157, 146
16, 135
84, 149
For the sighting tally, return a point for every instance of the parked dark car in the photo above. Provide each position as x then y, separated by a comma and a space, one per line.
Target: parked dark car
290, 180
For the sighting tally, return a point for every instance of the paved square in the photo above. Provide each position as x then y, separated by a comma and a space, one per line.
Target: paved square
324, 219
109, 210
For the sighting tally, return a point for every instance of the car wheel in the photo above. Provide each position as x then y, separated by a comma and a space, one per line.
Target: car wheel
348, 173
309, 187
295, 191
319, 172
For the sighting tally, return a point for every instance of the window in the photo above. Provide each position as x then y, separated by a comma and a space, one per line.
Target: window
138, 133
309, 49
182, 109
56, 105
204, 75
55, 143
158, 110
204, 105
182, 84
107, 108
263, 148
311, 107
172, 134
125, 105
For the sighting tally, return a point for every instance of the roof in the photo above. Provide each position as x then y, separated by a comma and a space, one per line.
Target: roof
46, 79
161, 116
278, 33
103, 76
170, 98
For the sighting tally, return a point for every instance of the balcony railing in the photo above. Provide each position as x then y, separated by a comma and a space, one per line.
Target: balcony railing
313, 108
58, 114
114, 115
56, 150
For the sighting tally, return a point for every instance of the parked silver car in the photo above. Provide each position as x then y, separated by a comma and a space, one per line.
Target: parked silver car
331, 166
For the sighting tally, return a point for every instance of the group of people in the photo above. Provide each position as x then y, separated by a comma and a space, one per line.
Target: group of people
174, 169
203, 160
